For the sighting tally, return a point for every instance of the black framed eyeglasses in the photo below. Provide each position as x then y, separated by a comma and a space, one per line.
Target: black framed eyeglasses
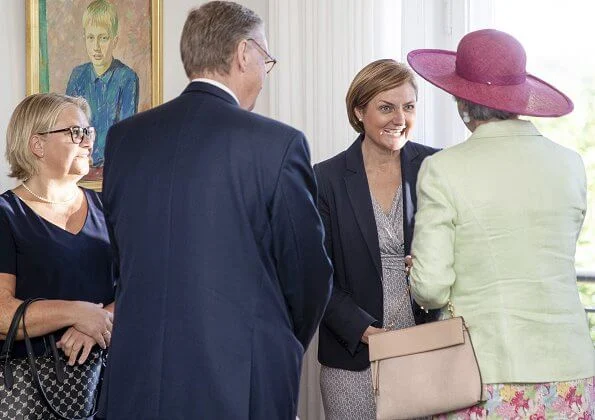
77, 134
269, 61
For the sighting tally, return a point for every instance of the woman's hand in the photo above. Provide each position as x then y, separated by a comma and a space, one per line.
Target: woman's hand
370, 331
94, 321
73, 343
408, 264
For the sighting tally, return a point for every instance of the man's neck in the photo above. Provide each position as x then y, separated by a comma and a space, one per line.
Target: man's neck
228, 82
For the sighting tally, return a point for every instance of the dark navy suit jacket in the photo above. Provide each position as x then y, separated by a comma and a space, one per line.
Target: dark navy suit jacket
351, 241
223, 272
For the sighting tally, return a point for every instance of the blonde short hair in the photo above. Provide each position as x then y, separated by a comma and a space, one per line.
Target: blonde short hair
36, 113
102, 13
376, 77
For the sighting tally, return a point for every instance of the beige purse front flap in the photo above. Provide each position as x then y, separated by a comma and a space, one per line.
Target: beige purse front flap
421, 338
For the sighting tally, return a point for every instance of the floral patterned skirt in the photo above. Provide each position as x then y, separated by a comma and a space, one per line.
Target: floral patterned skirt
555, 400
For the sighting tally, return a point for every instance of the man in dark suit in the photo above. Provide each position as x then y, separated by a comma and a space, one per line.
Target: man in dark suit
223, 272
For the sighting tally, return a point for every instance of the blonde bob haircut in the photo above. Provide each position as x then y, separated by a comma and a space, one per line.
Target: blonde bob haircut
376, 77
35, 114
101, 13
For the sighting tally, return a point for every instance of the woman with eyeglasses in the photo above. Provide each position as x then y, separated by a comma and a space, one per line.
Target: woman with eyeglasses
53, 238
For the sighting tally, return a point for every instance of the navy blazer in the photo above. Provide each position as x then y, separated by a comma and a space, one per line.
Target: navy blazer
223, 272
345, 205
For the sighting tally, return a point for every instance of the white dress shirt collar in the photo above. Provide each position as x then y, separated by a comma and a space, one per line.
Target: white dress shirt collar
219, 85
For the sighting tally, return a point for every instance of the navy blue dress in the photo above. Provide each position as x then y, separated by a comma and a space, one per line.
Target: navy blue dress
52, 263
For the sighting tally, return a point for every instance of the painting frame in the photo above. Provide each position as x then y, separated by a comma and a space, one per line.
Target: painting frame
33, 57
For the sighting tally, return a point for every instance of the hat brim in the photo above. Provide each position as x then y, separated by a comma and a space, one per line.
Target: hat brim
534, 97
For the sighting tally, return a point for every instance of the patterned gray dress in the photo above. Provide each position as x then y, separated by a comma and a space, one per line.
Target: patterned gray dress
347, 395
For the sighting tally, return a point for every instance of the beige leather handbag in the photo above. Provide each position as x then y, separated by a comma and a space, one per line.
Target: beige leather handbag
424, 370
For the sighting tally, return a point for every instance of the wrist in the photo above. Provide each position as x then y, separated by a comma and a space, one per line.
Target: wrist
110, 307
71, 312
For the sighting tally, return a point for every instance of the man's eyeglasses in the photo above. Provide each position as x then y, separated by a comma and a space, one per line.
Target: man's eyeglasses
270, 61
77, 134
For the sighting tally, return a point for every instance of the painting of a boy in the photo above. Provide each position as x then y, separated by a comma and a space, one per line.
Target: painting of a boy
110, 86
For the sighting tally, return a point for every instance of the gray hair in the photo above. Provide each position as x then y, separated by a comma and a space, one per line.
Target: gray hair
483, 113
211, 34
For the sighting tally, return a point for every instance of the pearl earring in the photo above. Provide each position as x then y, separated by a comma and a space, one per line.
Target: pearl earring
466, 117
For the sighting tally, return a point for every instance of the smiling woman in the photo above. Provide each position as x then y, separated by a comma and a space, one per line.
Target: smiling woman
389, 116
367, 201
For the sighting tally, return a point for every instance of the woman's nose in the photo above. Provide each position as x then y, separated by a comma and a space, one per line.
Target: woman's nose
87, 141
399, 117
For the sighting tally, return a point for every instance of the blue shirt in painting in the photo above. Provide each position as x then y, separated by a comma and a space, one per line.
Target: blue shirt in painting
113, 96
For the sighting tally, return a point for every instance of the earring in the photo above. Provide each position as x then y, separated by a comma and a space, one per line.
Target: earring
466, 117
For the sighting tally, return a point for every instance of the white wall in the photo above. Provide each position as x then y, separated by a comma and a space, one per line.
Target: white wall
435, 24
12, 76
12, 61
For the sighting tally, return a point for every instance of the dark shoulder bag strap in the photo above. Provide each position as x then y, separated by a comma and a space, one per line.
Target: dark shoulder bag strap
7, 347
35, 375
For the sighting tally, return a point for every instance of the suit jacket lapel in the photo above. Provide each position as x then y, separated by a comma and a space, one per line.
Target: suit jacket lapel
409, 168
358, 191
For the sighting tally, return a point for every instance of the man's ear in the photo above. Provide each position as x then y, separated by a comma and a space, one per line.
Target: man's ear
242, 55
36, 146
116, 39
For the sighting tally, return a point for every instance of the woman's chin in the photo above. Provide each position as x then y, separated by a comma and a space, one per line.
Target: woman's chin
398, 144
79, 170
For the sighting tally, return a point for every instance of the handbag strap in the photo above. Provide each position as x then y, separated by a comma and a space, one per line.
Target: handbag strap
12, 330
37, 381
9, 342
451, 308
58, 365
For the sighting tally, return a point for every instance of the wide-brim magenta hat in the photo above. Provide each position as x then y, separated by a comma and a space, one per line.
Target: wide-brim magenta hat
488, 69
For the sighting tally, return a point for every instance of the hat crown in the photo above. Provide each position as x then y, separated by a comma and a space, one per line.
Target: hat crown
491, 57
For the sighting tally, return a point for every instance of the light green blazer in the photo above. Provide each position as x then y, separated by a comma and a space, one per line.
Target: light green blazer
496, 226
